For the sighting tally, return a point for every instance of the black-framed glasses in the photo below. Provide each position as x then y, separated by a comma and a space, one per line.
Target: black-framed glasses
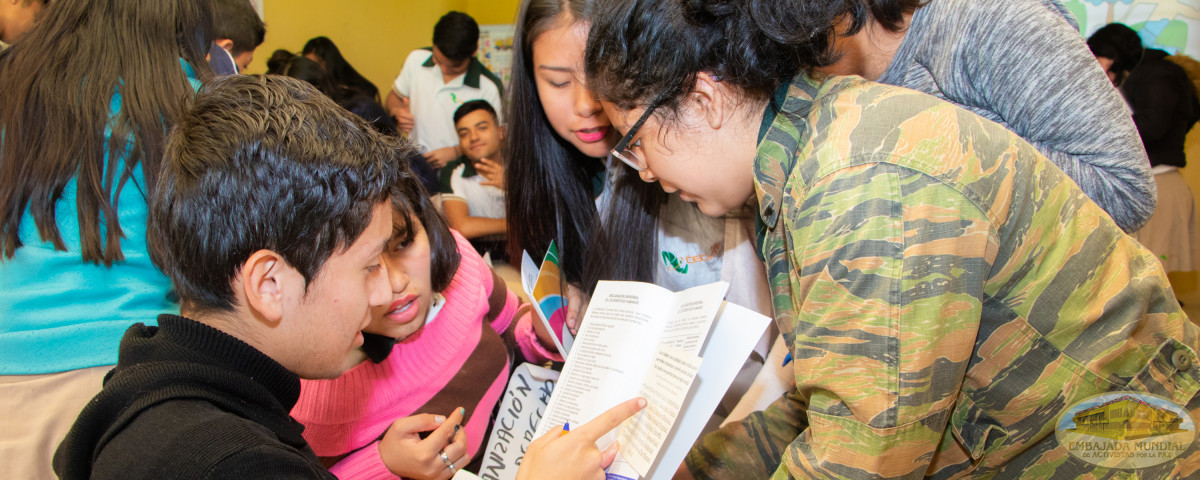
624, 151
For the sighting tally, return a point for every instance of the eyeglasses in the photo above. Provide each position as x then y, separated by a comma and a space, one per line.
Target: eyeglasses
624, 151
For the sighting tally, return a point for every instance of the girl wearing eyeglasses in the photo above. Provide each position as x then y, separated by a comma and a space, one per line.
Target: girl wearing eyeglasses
564, 187
946, 292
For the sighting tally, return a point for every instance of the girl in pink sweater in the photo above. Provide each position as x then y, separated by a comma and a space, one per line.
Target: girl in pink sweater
433, 361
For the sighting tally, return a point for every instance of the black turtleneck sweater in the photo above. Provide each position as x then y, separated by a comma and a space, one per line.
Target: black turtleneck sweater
189, 401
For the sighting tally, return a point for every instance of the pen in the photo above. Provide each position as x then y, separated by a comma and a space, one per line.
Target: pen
787, 359
566, 428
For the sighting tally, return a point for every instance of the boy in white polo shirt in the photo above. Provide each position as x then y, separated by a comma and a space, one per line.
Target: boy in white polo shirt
472, 186
434, 82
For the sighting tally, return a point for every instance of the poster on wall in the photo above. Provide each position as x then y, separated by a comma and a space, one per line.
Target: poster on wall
1169, 25
495, 50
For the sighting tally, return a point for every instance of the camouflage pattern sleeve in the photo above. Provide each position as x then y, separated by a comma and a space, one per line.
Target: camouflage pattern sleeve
750, 448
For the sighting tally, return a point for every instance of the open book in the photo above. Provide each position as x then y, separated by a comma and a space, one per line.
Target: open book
678, 350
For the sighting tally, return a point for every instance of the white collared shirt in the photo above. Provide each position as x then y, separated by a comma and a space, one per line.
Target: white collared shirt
462, 182
434, 101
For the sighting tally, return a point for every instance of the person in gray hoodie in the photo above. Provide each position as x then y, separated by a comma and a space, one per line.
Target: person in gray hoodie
1020, 63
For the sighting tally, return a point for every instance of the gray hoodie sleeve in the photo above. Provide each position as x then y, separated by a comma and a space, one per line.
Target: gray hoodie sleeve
1024, 64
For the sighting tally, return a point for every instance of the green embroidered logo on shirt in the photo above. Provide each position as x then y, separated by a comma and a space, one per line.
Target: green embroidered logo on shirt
674, 262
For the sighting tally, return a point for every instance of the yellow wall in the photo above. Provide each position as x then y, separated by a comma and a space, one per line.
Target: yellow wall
488, 12
374, 35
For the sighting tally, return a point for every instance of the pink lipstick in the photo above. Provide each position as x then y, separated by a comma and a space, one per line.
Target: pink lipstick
592, 135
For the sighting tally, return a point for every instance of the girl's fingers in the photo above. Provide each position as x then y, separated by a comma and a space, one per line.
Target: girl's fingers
445, 432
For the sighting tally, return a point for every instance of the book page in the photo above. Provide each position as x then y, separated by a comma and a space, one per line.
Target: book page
735, 332
611, 354
692, 312
665, 389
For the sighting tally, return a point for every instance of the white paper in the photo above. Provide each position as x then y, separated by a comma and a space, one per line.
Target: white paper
623, 329
665, 389
529, 273
735, 332
613, 352
521, 409
609, 359
464, 475
691, 316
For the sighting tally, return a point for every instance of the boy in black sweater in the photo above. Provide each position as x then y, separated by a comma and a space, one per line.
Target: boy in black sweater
270, 215
272, 237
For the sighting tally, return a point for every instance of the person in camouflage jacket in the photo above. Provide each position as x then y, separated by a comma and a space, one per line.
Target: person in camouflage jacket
947, 293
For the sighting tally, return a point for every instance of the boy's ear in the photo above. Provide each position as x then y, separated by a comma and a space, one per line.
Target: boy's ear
225, 43
264, 276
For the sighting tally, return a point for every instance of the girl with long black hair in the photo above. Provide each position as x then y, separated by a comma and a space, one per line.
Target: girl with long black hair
323, 51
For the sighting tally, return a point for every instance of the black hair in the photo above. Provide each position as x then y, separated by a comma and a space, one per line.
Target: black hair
236, 20
755, 45
278, 60
471, 106
264, 162
889, 13
358, 103
301, 68
553, 177
555, 180
1120, 43
412, 201
457, 35
57, 85
339, 69
370, 110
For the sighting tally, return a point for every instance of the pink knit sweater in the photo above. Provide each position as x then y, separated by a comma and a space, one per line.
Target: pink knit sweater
458, 359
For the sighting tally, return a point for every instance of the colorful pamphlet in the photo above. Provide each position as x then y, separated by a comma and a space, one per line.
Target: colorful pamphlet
544, 286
